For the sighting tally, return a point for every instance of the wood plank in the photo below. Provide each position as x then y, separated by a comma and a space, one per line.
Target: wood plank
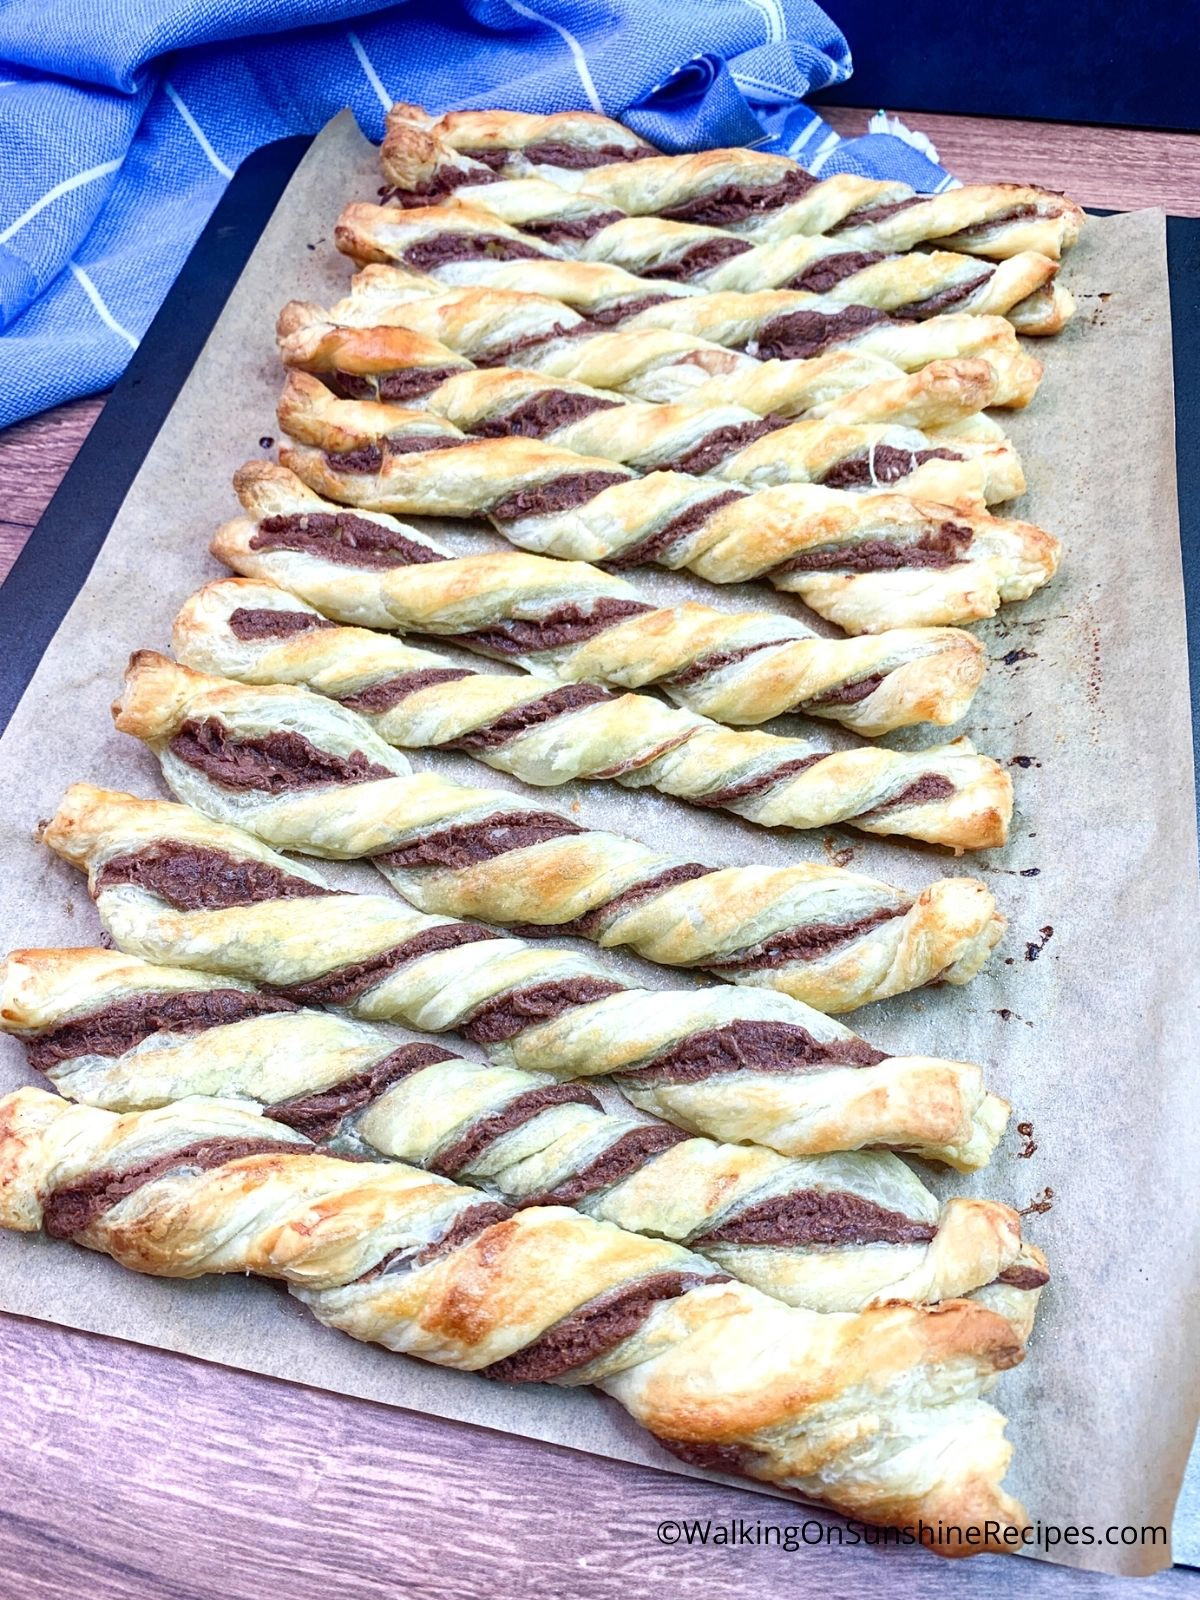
1118, 168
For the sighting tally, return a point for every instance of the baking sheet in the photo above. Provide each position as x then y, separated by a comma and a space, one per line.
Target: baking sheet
1090, 1029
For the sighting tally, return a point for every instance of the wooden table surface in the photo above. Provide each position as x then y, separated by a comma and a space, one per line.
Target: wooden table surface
129, 1474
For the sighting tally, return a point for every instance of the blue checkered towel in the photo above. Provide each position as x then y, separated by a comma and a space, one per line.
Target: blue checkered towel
121, 121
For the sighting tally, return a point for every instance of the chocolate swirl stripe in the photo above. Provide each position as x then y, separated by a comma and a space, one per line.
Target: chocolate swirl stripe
834, 1232
402, 1257
303, 773
541, 221
867, 561
735, 1063
958, 456
757, 195
775, 351
548, 734
583, 624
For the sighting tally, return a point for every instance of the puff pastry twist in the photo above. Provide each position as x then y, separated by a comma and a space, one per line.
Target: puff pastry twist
966, 459
752, 193
878, 1414
304, 773
585, 625
547, 733
833, 1233
865, 561
780, 331
733, 1063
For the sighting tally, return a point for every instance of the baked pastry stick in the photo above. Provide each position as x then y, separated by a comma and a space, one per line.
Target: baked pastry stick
584, 625
776, 323
851, 386
876, 1414
303, 773
968, 459
865, 561
833, 1233
919, 284
747, 191
547, 733
741, 1065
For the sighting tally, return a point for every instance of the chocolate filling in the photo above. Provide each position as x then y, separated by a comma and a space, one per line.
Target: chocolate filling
467, 1225
571, 697
590, 925
809, 943
575, 157
799, 335
816, 1217
389, 692
559, 494
822, 275
271, 763
847, 694
625, 1155
749, 787
264, 622
192, 877
395, 386
344, 984
426, 255
119, 1026
502, 356
492, 156
542, 414
566, 625
739, 1460
697, 258
884, 464
720, 443
441, 182
922, 791
594, 1329
318, 1115
520, 1110
343, 538
703, 665
687, 522
510, 1014
370, 457
934, 304
746, 1046
558, 230
611, 315
464, 843
871, 214
71, 1210
942, 546
1024, 1277
734, 202
1013, 214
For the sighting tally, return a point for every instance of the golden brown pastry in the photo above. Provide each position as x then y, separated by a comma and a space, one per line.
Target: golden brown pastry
737, 1064
748, 191
549, 733
304, 773
584, 625
879, 1415
833, 1233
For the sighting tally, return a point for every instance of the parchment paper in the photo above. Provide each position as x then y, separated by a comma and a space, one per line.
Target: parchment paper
1087, 1017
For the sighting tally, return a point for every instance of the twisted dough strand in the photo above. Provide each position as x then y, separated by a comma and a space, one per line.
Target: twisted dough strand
582, 624
548, 734
756, 194
736, 1064
833, 1233
878, 1414
865, 561
303, 773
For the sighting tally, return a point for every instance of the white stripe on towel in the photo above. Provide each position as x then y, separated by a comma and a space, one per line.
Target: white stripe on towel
373, 78
56, 193
102, 311
572, 44
176, 100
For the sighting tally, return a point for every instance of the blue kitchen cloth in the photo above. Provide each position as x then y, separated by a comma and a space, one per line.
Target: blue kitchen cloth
121, 121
